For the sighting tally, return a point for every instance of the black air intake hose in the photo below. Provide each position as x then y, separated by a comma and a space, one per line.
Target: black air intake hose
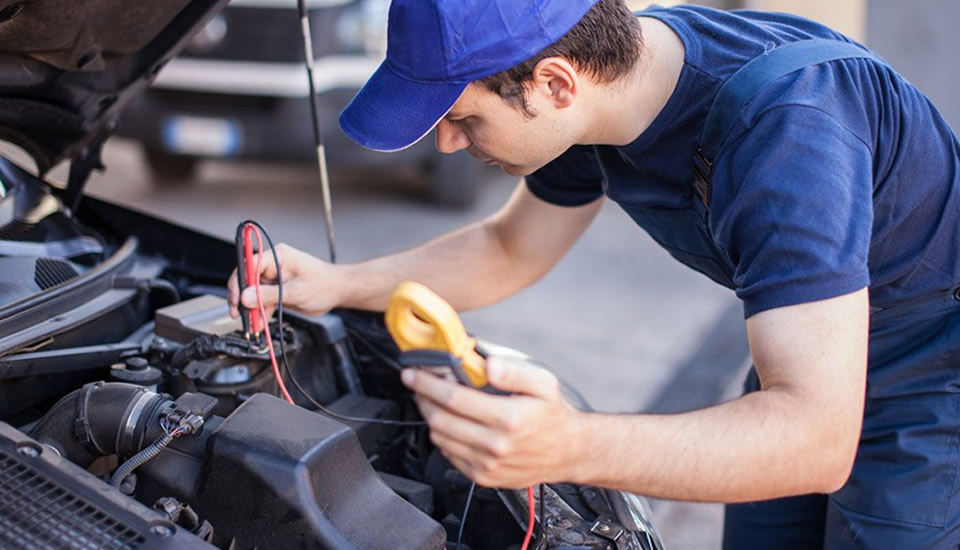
102, 419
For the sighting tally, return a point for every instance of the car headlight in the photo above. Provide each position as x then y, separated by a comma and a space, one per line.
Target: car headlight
363, 27
640, 514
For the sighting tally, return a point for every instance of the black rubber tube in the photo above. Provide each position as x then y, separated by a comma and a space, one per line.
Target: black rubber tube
102, 419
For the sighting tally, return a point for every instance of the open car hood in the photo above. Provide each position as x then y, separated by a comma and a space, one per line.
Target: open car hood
68, 68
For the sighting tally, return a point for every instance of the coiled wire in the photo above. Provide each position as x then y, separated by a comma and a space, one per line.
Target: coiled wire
143, 457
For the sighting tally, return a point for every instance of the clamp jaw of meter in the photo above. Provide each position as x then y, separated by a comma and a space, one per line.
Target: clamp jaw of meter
431, 335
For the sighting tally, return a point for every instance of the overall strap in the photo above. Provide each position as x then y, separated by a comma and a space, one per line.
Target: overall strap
740, 88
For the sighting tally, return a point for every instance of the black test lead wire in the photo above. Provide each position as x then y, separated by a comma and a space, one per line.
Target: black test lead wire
283, 350
466, 510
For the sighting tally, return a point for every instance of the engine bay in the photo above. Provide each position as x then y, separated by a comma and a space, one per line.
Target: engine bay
134, 414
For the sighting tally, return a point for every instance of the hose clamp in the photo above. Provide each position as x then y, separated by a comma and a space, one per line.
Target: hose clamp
128, 435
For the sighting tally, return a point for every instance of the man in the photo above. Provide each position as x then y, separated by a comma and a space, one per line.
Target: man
833, 179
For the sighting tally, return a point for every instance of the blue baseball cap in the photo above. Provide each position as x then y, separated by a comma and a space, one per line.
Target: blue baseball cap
435, 48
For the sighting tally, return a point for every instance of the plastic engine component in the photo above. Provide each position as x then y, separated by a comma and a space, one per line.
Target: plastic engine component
24, 277
307, 485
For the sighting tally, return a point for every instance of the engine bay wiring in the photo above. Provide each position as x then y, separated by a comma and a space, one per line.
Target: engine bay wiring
256, 229
261, 233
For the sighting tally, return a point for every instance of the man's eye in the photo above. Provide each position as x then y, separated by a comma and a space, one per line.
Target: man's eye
10, 12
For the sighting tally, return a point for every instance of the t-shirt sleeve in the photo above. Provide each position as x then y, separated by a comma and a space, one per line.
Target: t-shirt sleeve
572, 179
792, 206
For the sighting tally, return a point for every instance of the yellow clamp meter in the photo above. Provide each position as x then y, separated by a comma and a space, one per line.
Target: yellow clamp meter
430, 334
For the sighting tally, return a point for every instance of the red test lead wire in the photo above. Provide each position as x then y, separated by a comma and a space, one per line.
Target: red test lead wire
253, 273
262, 311
531, 520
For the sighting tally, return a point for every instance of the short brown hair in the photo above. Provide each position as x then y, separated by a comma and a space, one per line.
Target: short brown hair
605, 44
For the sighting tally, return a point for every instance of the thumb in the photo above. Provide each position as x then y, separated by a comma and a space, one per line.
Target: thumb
268, 293
516, 376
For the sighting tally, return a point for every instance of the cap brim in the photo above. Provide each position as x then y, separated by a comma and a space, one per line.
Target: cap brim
391, 113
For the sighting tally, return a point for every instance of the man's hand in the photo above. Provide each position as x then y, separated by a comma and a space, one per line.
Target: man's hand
500, 441
797, 435
310, 285
474, 266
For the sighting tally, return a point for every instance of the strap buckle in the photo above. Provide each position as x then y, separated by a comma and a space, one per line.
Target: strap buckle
703, 170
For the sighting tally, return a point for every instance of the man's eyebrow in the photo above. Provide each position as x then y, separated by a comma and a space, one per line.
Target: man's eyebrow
452, 115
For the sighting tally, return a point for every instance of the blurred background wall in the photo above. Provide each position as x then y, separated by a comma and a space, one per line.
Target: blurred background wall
918, 38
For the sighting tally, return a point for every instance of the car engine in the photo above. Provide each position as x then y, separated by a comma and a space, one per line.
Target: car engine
133, 414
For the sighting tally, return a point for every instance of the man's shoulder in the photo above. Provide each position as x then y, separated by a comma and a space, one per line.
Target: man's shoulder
718, 42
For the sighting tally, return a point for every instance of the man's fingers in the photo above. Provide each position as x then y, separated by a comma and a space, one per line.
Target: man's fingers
485, 471
268, 268
270, 311
453, 449
515, 376
456, 397
269, 294
457, 428
268, 273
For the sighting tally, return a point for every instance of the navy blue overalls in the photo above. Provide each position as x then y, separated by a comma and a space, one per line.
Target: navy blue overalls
901, 492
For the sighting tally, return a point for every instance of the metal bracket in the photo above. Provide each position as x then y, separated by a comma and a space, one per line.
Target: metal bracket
83, 165
611, 530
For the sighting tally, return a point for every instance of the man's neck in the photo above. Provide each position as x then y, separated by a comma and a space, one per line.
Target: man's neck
625, 109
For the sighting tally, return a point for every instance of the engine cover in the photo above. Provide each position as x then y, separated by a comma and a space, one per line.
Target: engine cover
279, 476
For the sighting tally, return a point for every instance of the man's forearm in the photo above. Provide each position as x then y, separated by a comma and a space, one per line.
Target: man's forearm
470, 268
797, 435
764, 445
480, 264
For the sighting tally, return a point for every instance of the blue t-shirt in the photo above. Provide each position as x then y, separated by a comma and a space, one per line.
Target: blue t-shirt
836, 177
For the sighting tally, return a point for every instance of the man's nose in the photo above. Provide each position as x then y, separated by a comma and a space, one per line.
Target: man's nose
451, 139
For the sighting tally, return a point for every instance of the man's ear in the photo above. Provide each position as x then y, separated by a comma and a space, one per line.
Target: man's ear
557, 79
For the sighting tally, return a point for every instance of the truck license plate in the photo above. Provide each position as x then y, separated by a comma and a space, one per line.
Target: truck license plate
201, 136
